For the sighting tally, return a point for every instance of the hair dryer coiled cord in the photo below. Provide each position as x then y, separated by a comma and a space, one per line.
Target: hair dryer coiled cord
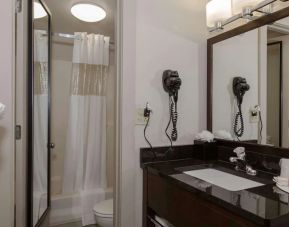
239, 118
174, 115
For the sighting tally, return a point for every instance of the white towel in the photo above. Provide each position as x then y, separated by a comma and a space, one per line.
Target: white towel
205, 136
281, 181
223, 134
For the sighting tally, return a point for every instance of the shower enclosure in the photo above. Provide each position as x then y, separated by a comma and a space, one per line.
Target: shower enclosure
83, 125
72, 102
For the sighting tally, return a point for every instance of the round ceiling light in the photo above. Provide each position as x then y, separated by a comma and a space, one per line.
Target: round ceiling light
88, 12
38, 10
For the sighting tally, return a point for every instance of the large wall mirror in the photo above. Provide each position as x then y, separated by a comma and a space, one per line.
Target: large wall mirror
39, 129
248, 82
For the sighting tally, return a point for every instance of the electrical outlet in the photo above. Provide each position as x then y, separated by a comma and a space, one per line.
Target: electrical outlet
140, 118
254, 119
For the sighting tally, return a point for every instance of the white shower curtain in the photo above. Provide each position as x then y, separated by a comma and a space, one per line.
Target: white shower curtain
85, 155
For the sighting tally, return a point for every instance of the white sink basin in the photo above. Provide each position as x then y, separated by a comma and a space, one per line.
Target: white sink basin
224, 180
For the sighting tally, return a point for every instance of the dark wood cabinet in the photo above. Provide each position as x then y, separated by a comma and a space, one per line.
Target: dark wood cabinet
183, 208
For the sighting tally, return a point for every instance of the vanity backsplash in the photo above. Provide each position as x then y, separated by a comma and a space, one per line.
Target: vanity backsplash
263, 158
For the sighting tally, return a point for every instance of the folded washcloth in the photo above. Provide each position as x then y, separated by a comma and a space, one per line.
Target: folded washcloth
223, 134
281, 181
2, 109
205, 136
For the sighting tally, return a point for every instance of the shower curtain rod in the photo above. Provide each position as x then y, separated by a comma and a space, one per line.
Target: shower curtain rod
70, 36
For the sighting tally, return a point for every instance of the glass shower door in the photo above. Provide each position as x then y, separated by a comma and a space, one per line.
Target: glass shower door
39, 143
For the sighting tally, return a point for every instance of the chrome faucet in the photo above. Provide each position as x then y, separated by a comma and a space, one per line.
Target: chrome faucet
241, 163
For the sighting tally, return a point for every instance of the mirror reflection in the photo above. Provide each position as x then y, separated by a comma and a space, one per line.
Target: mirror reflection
40, 121
251, 86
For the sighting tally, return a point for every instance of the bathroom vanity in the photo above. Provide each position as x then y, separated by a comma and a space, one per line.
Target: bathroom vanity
185, 207
171, 192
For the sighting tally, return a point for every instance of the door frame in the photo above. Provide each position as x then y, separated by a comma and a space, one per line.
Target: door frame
21, 40
7, 121
280, 44
117, 180
126, 155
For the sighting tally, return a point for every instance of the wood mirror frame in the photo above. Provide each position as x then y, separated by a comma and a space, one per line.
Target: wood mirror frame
264, 20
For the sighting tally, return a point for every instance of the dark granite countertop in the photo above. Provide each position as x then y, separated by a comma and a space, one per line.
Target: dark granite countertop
264, 205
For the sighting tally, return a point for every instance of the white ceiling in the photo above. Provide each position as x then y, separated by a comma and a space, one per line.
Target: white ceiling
64, 22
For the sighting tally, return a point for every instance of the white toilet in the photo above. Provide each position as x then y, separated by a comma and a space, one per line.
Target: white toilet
103, 212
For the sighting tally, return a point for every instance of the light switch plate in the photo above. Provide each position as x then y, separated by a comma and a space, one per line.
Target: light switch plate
140, 119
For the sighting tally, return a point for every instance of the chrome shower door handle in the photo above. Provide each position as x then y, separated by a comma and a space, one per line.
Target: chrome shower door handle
51, 145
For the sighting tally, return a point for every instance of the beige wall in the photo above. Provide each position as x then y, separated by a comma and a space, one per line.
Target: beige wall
285, 77
273, 107
285, 118
172, 37
7, 122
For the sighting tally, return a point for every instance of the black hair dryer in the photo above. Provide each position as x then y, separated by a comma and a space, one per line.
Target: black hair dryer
172, 83
240, 87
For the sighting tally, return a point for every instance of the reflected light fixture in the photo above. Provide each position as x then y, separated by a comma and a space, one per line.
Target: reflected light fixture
223, 12
218, 11
38, 11
88, 12
245, 7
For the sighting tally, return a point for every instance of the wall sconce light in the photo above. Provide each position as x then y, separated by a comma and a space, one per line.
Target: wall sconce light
217, 12
223, 12
244, 7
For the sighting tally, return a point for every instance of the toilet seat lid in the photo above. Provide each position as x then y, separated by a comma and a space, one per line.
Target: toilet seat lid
104, 208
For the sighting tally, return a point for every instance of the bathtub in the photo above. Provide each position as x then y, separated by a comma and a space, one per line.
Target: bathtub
67, 209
